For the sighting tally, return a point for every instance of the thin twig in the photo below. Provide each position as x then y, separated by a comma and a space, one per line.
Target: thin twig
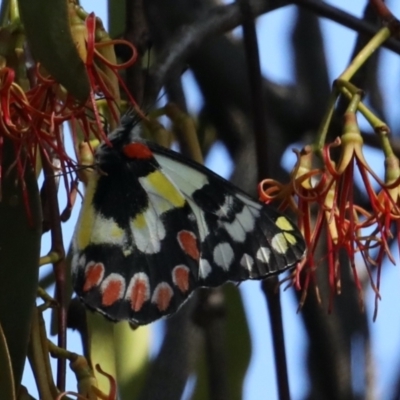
137, 34
341, 17
216, 21
273, 297
223, 19
59, 267
256, 89
263, 147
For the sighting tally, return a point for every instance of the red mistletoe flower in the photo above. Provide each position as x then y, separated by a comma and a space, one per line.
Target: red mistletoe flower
339, 219
33, 117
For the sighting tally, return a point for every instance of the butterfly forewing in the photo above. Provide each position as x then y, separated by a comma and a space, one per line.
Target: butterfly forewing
154, 226
240, 238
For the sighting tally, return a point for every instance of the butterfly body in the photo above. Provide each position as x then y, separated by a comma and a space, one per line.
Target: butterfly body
154, 226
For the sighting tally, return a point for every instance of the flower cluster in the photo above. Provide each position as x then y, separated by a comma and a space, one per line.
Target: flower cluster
34, 106
340, 222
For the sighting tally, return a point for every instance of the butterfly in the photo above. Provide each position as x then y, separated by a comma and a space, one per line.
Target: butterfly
154, 226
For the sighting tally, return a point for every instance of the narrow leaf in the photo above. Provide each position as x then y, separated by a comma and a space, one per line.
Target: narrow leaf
49, 37
19, 255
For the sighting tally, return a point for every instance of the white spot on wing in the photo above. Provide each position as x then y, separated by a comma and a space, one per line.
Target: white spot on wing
254, 207
263, 254
106, 230
243, 223
247, 261
235, 230
148, 230
246, 219
279, 243
204, 268
82, 260
223, 255
77, 262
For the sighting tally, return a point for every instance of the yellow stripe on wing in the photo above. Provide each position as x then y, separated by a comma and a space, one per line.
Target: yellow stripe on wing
158, 184
84, 227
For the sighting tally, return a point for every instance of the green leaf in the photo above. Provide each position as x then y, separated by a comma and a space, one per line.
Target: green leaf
116, 17
19, 255
132, 354
121, 352
48, 33
101, 341
238, 341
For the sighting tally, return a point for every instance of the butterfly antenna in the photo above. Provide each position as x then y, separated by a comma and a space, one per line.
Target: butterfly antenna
76, 169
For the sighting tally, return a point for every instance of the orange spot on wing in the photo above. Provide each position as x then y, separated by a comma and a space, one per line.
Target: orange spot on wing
188, 242
162, 296
93, 275
137, 150
181, 277
139, 294
112, 292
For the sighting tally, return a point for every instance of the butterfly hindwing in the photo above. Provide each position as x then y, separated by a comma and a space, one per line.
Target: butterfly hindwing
155, 226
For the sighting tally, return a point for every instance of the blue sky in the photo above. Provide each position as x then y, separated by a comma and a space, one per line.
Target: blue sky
277, 65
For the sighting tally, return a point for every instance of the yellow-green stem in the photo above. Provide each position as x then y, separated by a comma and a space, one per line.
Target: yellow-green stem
186, 132
323, 129
39, 359
354, 102
385, 142
58, 352
380, 37
372, 119
379, 126
340, 84
14, 12
51, 258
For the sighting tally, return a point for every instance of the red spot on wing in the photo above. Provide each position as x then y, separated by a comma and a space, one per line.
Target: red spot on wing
180, 276
188, 242
112, 290
162, 296
139, 292
93, 275
137, 150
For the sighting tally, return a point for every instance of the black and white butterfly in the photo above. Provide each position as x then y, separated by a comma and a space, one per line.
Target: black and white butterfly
154, 226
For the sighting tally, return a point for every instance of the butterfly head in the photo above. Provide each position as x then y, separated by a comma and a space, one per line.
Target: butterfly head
125, 150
